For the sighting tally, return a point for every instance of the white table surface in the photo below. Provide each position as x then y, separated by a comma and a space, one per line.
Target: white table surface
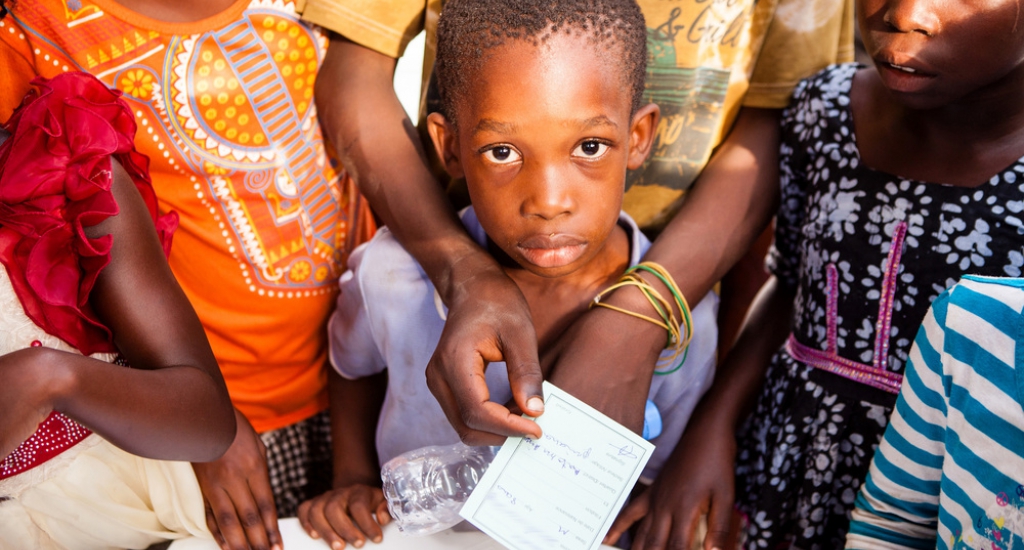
461, 537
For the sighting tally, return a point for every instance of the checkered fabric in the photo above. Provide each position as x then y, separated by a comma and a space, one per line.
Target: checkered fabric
299, 462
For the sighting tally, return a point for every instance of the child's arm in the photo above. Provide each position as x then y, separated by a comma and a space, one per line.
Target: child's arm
698, 477
358, 384
345, 514
898, 505
172, 402
608, 356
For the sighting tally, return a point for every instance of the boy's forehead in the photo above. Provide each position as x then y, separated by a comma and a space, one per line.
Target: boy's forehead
469, 31
543, 70
504, 127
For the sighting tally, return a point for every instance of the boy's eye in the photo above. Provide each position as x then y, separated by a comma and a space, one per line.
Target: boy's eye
590, 149
501, 154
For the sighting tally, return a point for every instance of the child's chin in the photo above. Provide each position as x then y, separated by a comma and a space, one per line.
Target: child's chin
553, 272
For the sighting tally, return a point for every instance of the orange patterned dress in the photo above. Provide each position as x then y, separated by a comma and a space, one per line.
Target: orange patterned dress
226, 115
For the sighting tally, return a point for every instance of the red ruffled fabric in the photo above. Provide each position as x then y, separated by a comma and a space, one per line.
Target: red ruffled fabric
55, 178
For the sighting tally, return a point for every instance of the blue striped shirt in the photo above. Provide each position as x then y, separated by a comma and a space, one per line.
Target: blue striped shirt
950, 470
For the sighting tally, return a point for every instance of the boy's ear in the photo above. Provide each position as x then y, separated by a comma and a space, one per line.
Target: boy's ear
641, 134
443, 134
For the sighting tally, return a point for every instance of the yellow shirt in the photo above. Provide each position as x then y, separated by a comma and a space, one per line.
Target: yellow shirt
707, 58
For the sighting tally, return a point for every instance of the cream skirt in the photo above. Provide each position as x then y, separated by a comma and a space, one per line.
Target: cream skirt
95, 495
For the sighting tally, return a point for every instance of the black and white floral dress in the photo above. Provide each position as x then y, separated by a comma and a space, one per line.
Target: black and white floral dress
866, 253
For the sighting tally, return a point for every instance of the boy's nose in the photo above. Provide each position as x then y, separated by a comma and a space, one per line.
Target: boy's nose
548, 197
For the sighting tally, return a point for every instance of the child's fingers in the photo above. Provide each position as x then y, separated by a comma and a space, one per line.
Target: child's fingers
303, 515
632, 513
263, 496
211, 523
361, 512
227, 520
643, 535
519, 348
719, 523
489, 321
319, 527
453, 410
659, 533
339, 527
383, 515
251, 520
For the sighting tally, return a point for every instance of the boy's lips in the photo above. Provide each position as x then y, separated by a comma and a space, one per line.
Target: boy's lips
554, 250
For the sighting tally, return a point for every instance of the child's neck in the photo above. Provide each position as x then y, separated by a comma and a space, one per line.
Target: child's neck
177, 11
556, 302
963, 143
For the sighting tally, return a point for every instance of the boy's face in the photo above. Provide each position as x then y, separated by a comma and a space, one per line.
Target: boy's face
544, 137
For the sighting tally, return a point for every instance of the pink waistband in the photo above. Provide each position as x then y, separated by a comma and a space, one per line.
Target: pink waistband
858, 372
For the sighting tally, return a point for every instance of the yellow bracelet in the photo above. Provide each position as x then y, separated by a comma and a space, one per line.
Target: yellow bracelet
652, 296
680, 334
684, 307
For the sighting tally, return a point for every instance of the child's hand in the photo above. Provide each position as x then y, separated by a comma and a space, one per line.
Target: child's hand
698, 479
240, 510
24, 395
346, 515
488, 321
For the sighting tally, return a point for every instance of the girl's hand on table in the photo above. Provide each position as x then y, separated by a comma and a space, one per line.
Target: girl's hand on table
240, 510
25, 397
697, 479
345, 515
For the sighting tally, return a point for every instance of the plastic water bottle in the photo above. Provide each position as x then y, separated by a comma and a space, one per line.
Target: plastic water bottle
426, 488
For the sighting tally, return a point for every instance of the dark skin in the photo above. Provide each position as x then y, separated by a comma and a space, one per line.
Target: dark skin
489, 318
957, 119
240, 510
345, 515
545, 160
172, 404
610, 357
698, 477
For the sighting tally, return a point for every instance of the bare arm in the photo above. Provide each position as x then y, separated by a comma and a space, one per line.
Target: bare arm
354, 427
698, 477
488, 319
608, 358
172, 403
346, 513
732, 202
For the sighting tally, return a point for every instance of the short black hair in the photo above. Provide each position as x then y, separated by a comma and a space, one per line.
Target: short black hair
468, 28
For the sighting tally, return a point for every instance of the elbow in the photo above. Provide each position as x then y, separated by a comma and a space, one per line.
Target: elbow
217, 427
221, 433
